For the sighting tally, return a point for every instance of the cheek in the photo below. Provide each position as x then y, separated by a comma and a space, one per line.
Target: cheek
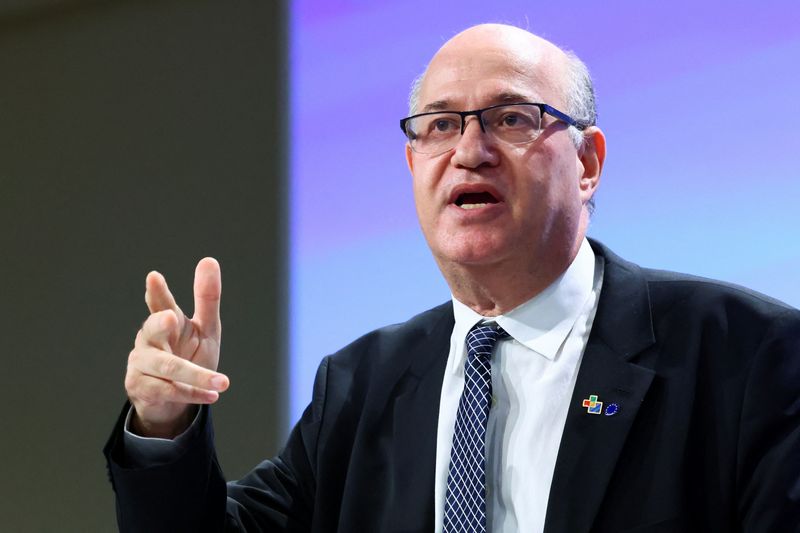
424, 201
426, 181
559, 171
548, 188
421, 189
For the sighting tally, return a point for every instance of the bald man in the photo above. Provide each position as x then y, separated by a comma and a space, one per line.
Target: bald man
562, 389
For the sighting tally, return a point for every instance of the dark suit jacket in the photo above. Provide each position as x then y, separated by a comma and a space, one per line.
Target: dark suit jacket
707, 436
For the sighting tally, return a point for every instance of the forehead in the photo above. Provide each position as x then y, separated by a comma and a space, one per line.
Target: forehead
475, 73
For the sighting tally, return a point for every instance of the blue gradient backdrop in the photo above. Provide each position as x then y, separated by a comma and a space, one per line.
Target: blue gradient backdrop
698, 101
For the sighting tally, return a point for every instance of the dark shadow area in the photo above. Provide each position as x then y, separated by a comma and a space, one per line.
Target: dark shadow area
133, 136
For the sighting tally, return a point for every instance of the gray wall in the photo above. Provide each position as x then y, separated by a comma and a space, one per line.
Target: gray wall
133, 136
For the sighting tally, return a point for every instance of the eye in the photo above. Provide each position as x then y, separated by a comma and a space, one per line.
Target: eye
514, 120
443, 125
510, 120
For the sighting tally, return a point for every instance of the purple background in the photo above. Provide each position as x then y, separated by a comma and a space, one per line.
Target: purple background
698, 102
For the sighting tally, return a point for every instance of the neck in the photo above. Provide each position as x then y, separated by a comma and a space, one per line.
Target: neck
495, 289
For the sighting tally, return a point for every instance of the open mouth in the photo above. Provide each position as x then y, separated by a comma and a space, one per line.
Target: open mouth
475, 200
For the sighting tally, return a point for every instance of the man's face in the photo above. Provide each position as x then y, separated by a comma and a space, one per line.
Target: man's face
533, 200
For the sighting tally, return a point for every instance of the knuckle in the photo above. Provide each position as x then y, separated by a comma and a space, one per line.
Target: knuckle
148, 325
154, 318
133, 357
131, 383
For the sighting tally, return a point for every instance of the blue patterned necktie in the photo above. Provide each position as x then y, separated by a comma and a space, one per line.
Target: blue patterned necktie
465, 502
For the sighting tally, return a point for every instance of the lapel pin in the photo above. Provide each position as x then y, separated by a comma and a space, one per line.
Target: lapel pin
592, 405
612, 409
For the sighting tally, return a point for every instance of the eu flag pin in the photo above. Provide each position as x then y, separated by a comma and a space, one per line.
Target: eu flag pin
612, 409
592, 405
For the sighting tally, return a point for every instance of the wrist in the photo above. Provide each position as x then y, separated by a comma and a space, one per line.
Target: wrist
167, 429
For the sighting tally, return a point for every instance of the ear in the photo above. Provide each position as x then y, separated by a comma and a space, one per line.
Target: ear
591, 155
410, 158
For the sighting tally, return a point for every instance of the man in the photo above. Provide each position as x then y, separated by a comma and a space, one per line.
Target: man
562, 390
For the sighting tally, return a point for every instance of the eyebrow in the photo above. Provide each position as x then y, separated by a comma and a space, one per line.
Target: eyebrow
438, 105
502, 98
511, 98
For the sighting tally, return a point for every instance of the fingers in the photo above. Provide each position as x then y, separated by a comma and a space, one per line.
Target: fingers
169, 366
157, 363
152, 355
207, 293
161, 385
157, 294
152, 390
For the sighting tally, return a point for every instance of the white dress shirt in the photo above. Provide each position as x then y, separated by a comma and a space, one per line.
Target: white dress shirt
533, 376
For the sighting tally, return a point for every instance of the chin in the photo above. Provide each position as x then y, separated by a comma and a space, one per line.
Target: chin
472, 251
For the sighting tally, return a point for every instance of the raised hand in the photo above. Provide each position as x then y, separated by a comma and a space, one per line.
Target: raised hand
173, 364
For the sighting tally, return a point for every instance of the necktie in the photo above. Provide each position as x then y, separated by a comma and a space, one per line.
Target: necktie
465, 502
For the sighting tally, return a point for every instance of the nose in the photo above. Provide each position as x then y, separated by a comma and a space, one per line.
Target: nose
474, 148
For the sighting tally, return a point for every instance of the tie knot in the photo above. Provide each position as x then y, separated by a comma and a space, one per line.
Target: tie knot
482, 338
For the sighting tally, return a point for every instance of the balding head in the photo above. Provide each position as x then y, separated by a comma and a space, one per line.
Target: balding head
529, 54
559, 73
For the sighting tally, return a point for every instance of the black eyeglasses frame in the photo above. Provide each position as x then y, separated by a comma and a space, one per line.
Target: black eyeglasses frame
543, 108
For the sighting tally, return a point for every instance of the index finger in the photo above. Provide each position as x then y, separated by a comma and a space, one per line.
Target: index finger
157, 295
207, 294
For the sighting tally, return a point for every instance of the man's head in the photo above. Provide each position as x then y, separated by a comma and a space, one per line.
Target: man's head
537, 194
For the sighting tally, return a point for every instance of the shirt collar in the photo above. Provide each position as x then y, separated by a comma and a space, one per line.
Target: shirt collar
543, 322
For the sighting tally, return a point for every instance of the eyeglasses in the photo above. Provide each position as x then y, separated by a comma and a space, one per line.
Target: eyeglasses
437, 132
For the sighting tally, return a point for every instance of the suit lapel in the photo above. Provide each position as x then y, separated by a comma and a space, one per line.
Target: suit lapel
416, 414
590, 446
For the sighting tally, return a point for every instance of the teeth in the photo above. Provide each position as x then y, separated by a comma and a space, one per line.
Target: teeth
471, 206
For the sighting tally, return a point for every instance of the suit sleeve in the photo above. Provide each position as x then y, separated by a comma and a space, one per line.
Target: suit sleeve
768, 476
189, 493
